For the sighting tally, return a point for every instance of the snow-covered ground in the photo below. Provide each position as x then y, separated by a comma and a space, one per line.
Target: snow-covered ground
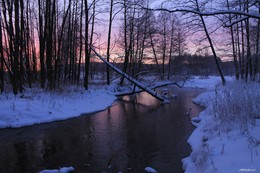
207, 83
37, 106
60, 170
227, 138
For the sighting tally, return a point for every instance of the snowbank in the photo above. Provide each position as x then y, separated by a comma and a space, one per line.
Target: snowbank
150, 170
61, 170
207, 83
38, 106
227, 138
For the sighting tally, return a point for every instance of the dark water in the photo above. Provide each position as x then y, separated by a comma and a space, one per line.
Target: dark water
127, 137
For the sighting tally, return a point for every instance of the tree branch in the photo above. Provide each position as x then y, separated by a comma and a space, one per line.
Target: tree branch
213, 13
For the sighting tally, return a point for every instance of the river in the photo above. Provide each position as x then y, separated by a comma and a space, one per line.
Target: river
127, 137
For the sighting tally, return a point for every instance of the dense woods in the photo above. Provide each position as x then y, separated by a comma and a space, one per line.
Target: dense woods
48, 43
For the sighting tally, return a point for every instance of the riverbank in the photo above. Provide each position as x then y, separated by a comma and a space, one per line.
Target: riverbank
227, 137
36, 106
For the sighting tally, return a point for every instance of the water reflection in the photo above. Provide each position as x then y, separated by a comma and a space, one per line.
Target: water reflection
126, 137
142, 98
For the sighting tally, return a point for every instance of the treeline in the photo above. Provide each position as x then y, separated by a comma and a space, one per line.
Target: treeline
200, 65
183, 65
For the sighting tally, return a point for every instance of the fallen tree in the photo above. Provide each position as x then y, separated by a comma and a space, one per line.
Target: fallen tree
153, 87
131, 79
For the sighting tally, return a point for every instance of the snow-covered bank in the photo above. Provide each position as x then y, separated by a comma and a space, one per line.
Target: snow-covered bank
227, 138
206, 83
60, 170
37, 106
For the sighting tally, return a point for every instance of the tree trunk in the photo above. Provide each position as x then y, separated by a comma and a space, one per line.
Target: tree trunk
109, 38
233, 45
126, 60
16, 48
154, 51
27, 46
164, 47
58, 63
87, 58
1, 57
211, 46
80, 42
143, 43
242, 58
248, 52
92, 31
171, 50
257, 46
42, 46
50, 14
22, 47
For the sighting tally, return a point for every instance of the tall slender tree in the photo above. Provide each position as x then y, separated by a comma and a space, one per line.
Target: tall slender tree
109, 38
80, 41
126, 50
41, 43
87, 58
211, 44
233, 43
1, 57
16, 77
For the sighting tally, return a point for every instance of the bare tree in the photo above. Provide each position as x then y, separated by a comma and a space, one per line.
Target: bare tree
211, 44
41, 43
1, 57
257, 45
126, 51
233, 44
49, 23
81, 41
152, 31
58, 59
17, 77
109, 37
87, 58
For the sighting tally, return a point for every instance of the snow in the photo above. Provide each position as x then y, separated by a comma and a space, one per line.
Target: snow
227, 137
150, 170
38, 106
207, 83
61, 170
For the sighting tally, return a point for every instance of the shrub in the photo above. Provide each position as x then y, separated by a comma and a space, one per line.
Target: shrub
237, 105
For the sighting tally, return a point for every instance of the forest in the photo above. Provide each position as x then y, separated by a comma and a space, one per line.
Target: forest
50, 43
